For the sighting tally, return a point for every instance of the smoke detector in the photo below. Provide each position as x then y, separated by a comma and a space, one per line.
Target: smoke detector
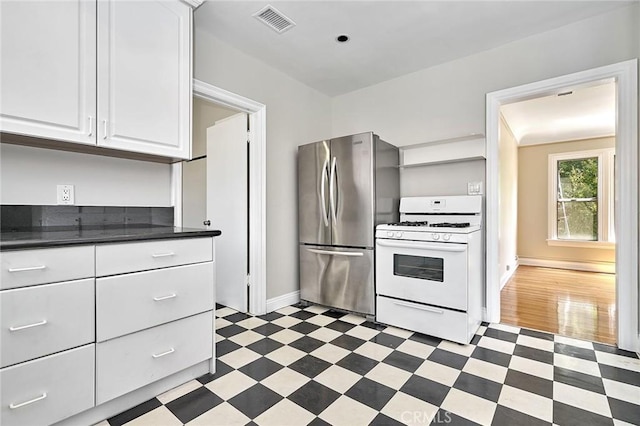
274, 19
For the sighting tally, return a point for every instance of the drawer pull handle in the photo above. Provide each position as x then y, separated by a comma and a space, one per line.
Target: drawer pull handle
31, 401
28, 268
23, 327
419, 307
163, 255
170, 296
170, 351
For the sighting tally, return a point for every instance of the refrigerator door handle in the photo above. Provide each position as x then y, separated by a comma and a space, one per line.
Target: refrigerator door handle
325, 213
332, 189
337, 253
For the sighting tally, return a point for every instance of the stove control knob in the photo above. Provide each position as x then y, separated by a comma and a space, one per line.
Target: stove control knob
398, 234
389, 233
435, 236
446, 237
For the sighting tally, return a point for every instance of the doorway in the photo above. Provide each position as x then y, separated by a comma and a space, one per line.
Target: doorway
626, 183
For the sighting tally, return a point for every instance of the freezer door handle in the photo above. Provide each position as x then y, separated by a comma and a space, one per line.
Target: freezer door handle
337, 253
451, 247
325, 213
333, 182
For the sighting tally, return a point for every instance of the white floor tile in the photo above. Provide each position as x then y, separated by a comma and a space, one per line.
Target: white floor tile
330, 353
617, 422
619, 361
285, 381
416, 349
284, 413
469, 406
285, 355
576, 364
347, 412
315, 309
464, 350
363, 333
325, 334
222, 323
573, 342
533, 342
159, 416
586, 400
321, 320
497, 344
287, 310
239, 357
251, 322
246, 338
373, 351
231, 384
505, 327
223, 414
481, 330
177, 392
388, 375
438, 373
487, 370
400, 332
338, 378
529, 366
286, 322
622, 391
353, 319
527, 402
409, 410
286, 336
223, 312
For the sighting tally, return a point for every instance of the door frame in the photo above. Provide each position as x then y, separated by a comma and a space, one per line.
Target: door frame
625, 74
257, 186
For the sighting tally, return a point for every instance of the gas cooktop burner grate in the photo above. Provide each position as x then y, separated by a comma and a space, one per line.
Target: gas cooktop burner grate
407, 223
450, 225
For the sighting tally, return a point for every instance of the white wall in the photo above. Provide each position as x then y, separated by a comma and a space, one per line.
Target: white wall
508, 202
296, 114
30, 175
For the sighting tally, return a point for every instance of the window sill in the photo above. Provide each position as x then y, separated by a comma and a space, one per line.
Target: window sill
582, 244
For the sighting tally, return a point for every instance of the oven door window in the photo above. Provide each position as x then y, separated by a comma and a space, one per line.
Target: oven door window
420, 267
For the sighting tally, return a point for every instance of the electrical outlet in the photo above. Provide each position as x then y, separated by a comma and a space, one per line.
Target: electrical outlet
65, 194
474, 188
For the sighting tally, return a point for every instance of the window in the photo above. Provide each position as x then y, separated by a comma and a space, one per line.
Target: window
581, 198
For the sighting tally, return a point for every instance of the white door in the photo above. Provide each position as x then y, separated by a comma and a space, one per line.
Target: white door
227, 207
144, 76
48, 78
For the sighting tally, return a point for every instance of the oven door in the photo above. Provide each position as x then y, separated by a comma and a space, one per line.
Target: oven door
425, 272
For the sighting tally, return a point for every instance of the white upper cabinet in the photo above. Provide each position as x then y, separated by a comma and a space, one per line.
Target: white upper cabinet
111, 73
144, 76
48, 75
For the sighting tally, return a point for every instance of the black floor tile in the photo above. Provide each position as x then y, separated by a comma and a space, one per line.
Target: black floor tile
357, 363
625, 411
303, 315
307, 344
348, 342
529, 383
574, 351
260, 369
484, 323
620, 374
404, 361
444, 417
334, 314
237, 317
614, 350
219, 306
476, 338
387, 340
489, 355
423, 338
373, 325
478, 386
425, 389
135, 412
310, 366
534, 354
230, 330
536, 334
193, 404
314, 397
265, 346
268, 329
382, 420
566, 415
340, 326
226, 346
579, 380
448, 358
304, 327
501, 335
271, 316
505, 416
221, 370
318, 422
370, 393
255, 400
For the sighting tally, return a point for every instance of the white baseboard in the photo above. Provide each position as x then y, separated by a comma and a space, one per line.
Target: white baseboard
282, 301
508, 274
609, 268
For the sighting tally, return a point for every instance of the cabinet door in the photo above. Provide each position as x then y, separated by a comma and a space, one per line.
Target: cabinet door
144, 76
48, 85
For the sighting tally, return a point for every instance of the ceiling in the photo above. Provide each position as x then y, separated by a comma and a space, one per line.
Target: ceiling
588, 112
388, 38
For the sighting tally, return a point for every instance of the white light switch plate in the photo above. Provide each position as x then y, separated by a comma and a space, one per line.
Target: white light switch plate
65, 194
474, 188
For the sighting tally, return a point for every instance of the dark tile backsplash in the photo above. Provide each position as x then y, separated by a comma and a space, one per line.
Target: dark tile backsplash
14, 217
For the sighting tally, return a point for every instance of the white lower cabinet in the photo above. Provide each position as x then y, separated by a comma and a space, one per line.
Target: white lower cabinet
48, 389
135, 360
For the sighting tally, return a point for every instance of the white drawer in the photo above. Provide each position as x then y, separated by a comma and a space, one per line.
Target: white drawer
135, 360
49, 389
438, 322
132, 302
38, 321
114, 259
28, 267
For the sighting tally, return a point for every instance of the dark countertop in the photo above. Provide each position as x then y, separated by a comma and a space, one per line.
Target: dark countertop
58, 236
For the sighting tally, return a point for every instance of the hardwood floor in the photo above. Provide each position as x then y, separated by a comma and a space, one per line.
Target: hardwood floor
570, 303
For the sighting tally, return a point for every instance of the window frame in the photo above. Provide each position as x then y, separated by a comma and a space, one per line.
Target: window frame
605, 199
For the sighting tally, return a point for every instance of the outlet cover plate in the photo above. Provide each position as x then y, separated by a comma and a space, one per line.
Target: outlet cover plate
65, 194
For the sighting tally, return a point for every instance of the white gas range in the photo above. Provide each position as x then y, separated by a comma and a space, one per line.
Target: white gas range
430, 268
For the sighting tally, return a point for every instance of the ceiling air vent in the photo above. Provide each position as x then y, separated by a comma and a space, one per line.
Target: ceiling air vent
274, 19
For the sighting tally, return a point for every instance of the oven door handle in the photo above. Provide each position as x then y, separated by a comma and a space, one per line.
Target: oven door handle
419, 307
422, 245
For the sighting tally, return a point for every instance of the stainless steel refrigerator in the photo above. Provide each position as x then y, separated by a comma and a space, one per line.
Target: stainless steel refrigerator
346, 186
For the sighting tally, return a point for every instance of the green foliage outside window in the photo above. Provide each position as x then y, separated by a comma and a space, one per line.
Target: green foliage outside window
577, 207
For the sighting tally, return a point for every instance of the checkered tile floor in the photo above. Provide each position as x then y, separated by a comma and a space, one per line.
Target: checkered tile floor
316, 366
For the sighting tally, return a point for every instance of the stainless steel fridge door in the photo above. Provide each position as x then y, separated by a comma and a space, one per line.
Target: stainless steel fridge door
351, 190
337, 277
314, 218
